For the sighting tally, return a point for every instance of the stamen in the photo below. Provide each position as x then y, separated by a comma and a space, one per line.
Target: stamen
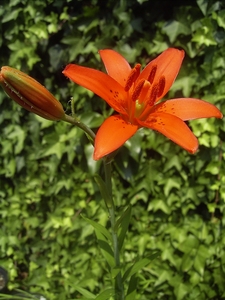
144, 91
161, 86
135, 72
151, 76
153, 94
137, 90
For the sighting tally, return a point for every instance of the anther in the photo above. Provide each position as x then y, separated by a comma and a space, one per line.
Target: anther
137, 90
151, 76
135, 72
161, 86
153, 94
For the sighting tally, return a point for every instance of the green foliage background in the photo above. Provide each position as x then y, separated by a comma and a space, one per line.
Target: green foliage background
47, 169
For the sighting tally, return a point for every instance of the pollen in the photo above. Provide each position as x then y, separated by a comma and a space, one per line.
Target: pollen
135, 72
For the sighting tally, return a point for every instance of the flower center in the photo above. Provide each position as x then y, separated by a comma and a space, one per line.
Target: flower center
143, 93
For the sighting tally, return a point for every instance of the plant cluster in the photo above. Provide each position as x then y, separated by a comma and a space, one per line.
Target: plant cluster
48, 193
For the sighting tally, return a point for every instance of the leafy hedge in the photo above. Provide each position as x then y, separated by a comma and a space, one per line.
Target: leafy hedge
47, 169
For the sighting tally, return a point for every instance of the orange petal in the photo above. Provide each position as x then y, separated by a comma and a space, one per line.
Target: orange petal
100, 83
116, 65
112, 134
187, 108
173, 128
168, 65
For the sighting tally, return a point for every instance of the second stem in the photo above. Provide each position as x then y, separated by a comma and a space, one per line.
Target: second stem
119, 290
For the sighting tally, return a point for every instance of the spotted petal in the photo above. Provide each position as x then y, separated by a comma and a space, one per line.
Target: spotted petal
99, 83
187, 108
112, 134
116, 65
167, 64
173, 128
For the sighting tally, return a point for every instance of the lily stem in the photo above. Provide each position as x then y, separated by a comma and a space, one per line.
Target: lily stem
75, 121
119, 290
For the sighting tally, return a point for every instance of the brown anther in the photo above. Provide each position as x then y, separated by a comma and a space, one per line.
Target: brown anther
151, 76
137, 90
153, 94
161, 86
134, 73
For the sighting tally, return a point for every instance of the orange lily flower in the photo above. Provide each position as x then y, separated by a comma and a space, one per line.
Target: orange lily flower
30, 94
135, 95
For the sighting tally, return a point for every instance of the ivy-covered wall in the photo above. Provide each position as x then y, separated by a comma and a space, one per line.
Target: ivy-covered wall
46, 168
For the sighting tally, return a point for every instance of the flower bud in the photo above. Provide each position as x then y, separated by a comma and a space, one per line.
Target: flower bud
30, 94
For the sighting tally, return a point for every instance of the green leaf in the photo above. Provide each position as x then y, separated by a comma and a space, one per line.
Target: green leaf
105, 249
180, 291
204, 35
11, 15
99, 228
199, 263
189, 244
84, 292
105, 295
174, 29
132, 288
123, 224
137, 266
103, 190
92, 119
21, 295
187, 262
93, 165
203, 4
104, 238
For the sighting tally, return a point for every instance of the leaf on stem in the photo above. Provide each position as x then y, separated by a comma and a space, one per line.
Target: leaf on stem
99, 228
137, 266
104, 240
105, 295
105, 249
84, 292
122, 224
103, 190
132, 288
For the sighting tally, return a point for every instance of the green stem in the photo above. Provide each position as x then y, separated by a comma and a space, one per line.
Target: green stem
73, 120
119, 291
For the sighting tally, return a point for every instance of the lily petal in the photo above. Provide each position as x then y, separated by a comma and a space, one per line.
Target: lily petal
112, 134
167, 64
99, 83
187, 108
116, 65
173, 128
